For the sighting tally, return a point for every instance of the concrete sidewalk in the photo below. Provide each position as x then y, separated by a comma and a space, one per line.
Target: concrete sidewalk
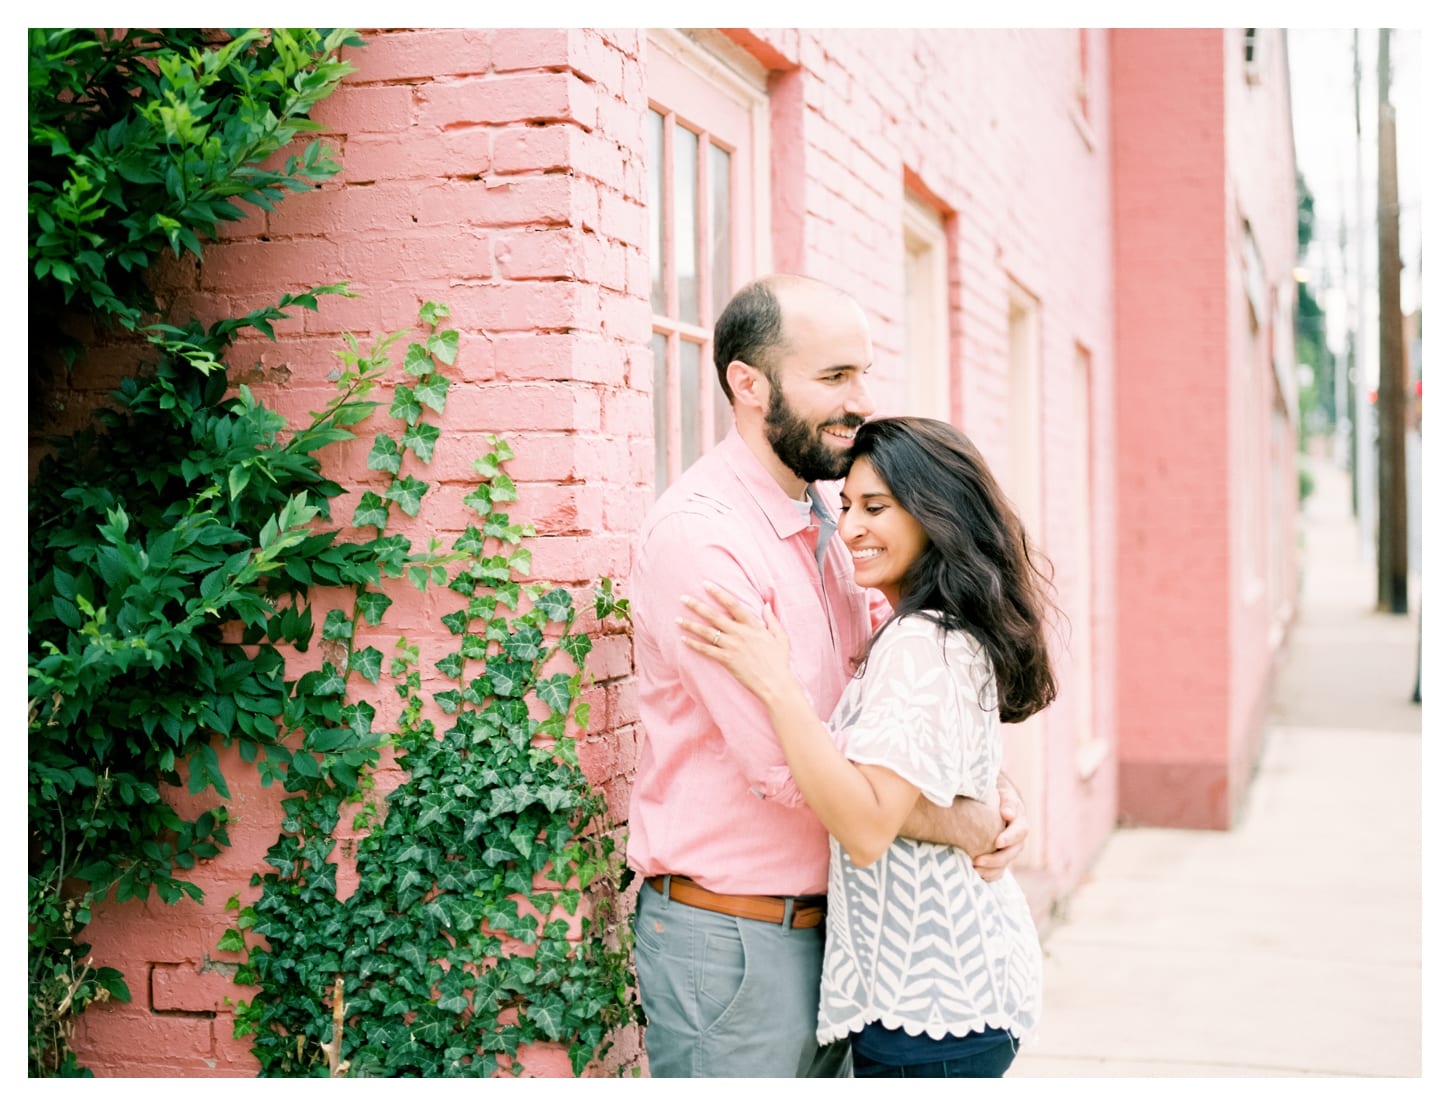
1289, 946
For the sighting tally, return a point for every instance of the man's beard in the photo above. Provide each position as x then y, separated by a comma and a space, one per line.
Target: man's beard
800, 447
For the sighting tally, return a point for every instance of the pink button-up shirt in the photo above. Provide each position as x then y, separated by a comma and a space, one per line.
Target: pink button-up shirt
713, 798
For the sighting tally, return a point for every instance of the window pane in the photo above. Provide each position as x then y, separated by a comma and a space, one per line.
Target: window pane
686, 153
657, 212
689, 402
721, 278
661, 406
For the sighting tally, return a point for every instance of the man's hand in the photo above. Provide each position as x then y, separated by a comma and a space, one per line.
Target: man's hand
1011, 841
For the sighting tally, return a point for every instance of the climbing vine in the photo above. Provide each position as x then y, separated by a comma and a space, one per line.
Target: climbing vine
175, 549
483, 917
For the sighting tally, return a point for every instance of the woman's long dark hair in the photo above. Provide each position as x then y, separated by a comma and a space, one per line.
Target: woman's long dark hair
978, 572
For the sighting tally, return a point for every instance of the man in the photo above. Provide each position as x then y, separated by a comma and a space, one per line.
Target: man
728, 933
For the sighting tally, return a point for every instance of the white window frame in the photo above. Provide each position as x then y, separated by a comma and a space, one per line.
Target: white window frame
703, 82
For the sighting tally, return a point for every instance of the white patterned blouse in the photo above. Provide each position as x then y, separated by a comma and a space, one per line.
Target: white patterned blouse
918, 941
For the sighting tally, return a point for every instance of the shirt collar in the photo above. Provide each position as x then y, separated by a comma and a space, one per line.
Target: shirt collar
783, 513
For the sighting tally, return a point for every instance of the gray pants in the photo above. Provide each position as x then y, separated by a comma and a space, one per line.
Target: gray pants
727, 996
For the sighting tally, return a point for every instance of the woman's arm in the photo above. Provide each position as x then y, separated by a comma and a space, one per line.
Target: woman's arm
863, 806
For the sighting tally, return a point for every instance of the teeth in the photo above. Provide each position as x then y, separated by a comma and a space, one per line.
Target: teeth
864, 554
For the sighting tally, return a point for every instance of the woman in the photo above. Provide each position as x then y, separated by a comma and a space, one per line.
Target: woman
928, 969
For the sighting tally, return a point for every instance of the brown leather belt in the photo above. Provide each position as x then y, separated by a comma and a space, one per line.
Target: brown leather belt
807, 911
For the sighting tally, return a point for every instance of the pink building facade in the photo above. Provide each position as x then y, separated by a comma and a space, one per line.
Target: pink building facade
1206, 408
1075, 244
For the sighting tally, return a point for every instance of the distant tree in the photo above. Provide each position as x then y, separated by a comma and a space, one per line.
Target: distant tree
1306, 211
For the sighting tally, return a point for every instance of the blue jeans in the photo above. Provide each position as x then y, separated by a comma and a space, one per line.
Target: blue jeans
983, 1065
726, 996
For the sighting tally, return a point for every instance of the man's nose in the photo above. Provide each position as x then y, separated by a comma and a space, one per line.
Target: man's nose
858, 400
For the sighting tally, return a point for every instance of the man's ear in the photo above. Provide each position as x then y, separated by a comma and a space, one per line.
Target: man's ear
748, 384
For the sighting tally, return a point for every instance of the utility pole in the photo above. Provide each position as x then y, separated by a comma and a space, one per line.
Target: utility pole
1394, 571
1365, 498
1348, 372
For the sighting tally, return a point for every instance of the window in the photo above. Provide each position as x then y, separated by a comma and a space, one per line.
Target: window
928, 360
706, 121
1253, 49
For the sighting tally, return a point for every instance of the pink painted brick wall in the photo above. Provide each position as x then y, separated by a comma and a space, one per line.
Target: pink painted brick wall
1199, 151
499, 172
1173, 419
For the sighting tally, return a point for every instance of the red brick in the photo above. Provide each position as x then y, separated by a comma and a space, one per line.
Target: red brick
423, 55
535, 252
525, 306
508, 408
611, 657
190, 988
552, 199
533, 97
356, 109
581, 559
531, 48
112, 1036
561, 356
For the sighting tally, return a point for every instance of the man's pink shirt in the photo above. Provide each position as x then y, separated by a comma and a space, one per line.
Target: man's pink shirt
713, 798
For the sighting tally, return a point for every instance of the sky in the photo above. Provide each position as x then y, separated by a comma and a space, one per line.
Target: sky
1321, 75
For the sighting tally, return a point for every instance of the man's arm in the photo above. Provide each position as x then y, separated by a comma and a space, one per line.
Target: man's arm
993, 834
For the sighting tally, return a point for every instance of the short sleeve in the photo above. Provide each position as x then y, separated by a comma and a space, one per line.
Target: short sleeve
914, 711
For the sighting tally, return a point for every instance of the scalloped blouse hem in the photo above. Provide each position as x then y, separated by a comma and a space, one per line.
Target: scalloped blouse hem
826, 1034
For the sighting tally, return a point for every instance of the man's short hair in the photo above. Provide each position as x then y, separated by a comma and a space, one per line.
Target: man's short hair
748, 330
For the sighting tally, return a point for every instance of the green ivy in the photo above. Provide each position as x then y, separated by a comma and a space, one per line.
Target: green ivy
483, 919
173, 549
146, 140
173, 514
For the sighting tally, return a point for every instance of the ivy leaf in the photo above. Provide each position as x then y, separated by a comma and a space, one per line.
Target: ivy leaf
417, 361
432, 390
371, 511
480, 499
358, 717
368, 663
371, 605
421, 438
556, 605
578, 646
337, 626
555, 692
444, 346
407, 493
384, 456
232, 941
331, 682
405, 405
